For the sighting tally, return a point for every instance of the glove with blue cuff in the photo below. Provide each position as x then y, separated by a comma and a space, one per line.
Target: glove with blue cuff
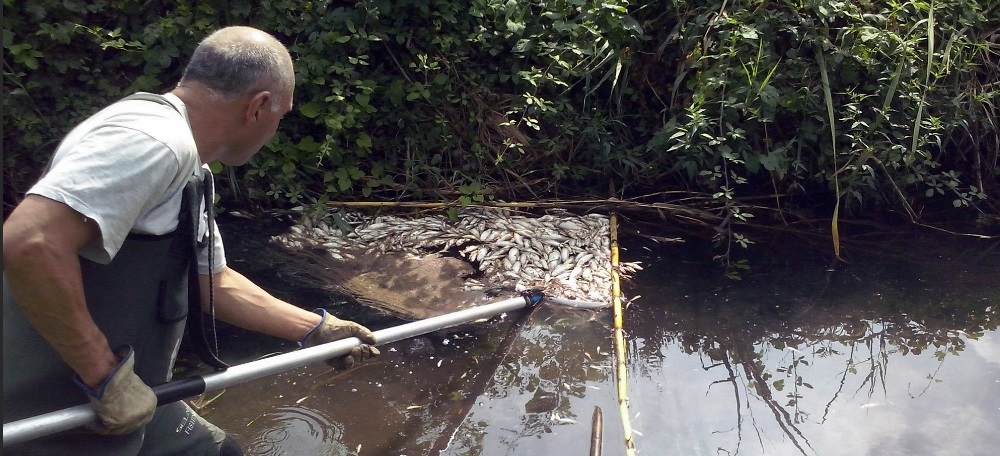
331, 328
123, 402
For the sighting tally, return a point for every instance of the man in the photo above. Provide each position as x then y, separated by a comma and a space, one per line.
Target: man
97, 256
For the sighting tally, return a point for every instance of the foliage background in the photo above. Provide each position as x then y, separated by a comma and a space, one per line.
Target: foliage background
787, 110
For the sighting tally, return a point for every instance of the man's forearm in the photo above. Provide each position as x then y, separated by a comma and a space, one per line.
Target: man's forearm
55, 306
240, 302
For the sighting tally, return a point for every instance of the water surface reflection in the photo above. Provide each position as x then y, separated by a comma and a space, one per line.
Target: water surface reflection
888, 355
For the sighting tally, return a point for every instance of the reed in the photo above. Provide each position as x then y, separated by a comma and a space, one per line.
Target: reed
914, 143
828, 98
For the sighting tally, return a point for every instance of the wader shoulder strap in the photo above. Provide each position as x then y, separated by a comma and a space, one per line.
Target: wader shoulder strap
145, 96
195, 192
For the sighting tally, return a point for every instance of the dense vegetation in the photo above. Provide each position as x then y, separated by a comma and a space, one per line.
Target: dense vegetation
788, 110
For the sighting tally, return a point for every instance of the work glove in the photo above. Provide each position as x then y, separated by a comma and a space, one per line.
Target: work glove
123, 402
331, 328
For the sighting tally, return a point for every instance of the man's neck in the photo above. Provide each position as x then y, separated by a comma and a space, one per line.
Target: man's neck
208, 116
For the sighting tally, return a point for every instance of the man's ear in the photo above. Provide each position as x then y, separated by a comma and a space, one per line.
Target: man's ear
260, 101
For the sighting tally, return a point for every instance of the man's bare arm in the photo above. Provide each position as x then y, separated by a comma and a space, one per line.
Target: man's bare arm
41, 241
241, 302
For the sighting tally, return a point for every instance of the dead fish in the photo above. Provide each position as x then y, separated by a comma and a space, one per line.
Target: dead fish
561, 420
554, 238
562, 268
872, 405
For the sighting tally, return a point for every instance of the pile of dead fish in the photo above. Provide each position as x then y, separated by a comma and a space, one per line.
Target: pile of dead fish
564, 254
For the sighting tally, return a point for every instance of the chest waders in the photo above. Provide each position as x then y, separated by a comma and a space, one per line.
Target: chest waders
142, 298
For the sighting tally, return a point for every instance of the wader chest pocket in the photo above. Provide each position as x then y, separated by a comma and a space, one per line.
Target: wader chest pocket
171, 302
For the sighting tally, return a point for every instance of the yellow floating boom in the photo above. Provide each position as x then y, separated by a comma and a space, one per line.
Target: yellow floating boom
621, 377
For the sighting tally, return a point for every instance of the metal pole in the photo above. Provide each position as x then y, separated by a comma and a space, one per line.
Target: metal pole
597, 433
69, 418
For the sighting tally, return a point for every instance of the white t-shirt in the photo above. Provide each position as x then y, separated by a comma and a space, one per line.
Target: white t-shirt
125, 168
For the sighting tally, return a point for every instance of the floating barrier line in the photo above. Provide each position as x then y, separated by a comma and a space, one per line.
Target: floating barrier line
706, 217
622, 378
542, 204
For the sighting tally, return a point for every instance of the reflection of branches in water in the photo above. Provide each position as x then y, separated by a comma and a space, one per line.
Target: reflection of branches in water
754, 371
867, 313
878, 362
726, 337
931, 378
792, 371
878, 341
878, 359
840, 386
736, 395
735, 352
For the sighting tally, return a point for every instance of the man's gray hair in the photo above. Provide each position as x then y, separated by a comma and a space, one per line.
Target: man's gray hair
239, 61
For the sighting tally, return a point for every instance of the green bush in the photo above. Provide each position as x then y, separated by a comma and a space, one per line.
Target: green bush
795, 97
65, 60
862, 104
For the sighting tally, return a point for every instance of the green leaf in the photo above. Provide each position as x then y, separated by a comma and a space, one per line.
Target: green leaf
28, 60
748, 33
515, 27
308, 144
396, 92
363, 99
364, 141
311, 109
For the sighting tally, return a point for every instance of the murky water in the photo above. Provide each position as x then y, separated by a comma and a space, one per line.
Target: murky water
887, 355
